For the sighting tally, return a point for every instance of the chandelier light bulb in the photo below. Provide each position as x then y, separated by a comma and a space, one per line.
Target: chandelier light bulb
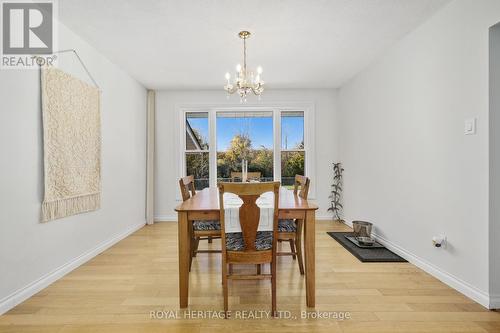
228, 76
259, 70
238, 68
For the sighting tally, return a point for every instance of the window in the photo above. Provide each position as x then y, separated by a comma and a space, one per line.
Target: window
197, 148
245, 135
275, 141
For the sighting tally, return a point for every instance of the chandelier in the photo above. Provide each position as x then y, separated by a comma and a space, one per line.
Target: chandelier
245, 81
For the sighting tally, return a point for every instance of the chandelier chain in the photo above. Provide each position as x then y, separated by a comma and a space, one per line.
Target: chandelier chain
244, 55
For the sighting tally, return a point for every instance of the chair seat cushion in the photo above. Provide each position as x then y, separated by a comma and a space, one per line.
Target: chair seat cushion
206, 225
235, 242
287, 226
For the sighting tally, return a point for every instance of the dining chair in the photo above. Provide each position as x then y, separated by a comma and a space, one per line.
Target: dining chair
199, 230
252, 175
249, 246
291, 230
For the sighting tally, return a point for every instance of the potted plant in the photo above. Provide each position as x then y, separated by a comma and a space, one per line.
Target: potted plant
335, 196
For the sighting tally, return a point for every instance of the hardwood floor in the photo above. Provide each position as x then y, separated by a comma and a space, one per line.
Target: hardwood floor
117, 290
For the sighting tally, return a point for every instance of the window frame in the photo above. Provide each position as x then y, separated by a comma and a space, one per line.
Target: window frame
184, 144
281, 150
309, 138
200, 150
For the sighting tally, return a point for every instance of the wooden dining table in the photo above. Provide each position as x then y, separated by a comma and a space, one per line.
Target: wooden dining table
205, 206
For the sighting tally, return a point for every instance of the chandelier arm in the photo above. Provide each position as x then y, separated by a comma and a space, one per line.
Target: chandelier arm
231, 90
256, 92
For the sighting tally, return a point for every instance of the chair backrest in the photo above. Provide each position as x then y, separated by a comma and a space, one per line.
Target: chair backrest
249, 212
303, 183
187, 187
254, 175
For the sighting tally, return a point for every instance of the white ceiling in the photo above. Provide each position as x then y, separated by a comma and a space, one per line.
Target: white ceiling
191, 44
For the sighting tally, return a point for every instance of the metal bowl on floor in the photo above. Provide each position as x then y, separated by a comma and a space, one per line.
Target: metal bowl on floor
362, 228
367, 241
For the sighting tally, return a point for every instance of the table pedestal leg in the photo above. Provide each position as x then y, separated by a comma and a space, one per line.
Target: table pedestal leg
184, 257
310, 257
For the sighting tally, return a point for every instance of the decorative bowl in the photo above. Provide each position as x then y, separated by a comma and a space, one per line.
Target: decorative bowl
362, 228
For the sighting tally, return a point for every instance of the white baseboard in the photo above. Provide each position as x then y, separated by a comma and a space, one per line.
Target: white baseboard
326, 217
26, 292
445, 277
491, 302
165, 218
449, 279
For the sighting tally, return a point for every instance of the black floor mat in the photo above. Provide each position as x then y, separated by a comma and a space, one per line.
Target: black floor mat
365, 254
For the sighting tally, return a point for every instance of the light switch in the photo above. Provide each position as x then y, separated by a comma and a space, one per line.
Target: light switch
470, 126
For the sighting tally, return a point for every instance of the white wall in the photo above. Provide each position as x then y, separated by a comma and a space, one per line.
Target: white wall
409, 167
167, 167
30, 250
495, 164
